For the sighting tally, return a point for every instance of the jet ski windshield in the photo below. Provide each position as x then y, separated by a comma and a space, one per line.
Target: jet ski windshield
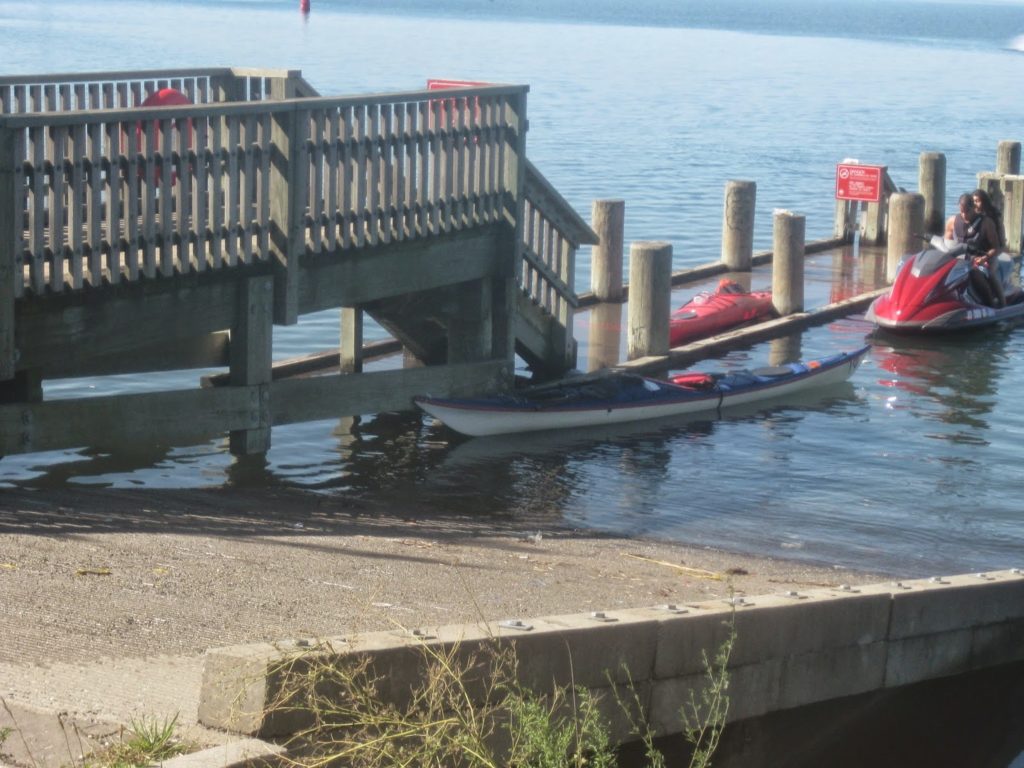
927, 262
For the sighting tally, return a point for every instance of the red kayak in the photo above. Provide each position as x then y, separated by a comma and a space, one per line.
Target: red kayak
707, 313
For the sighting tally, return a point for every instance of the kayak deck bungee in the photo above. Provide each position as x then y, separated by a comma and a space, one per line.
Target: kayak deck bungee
623, 397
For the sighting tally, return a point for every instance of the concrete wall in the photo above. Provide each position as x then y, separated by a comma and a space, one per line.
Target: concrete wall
790, 650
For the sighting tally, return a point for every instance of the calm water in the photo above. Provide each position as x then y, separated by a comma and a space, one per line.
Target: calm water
911, 468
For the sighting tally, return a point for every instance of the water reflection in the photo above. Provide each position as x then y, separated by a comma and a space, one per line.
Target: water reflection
856, 271
961, 374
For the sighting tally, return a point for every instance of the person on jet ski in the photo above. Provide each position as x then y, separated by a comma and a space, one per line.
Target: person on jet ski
956, 225
985, 234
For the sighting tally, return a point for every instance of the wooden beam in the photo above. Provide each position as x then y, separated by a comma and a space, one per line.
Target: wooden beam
251, 354
322, 397
367, 274
180, 418
61, 335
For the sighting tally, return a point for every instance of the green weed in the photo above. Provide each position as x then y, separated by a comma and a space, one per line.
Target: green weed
145, 742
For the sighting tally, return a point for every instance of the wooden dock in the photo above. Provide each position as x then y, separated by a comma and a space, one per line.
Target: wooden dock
137, 240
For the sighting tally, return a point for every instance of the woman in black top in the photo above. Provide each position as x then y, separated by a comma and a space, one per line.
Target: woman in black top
985, 234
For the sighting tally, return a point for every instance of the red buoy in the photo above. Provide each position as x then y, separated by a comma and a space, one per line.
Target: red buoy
304, 6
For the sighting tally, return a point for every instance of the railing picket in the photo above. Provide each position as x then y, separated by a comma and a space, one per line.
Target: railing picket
397, 154
423, 165
410, 142
217, 193
37, 210
373, 143
264, 179
231, 205
58, 192
149, 207
436, 160
200, 194
386, 169
183, 194
250, 186
94, 203
332, 161
76, 205
360, 175
19, 203
132, 193
163, 174
112, 192
318, 218
346, 178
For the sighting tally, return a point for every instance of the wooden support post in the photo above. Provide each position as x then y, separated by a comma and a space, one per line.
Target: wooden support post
287, 236
738, 225
350, 345
875, 217
906, 222
1013, 213
469, 324
605, 336
844, 226
931, 183
650, 296
607, 219
251, 357
785, 349
25, 387
1007, 193
788, 230
1008, 158
10, 239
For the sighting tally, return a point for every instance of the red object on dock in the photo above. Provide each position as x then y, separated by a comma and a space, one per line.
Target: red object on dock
709, 313
166, 97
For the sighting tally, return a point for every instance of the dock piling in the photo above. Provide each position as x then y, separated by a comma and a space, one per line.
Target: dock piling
788, 230
607, 220
1007, 193
738, 225
251, 361
931, 182
650, 296
906, 225
1008, 157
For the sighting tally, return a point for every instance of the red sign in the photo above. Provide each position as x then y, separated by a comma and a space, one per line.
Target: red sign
437, 84
859, 182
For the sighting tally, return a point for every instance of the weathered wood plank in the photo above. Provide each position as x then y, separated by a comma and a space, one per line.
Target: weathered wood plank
180, 417
321, 397
65, 331
210, 351
251, 356
94, 203
407, 267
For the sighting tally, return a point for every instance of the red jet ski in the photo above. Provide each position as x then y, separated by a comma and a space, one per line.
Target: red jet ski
709, 313
939, 290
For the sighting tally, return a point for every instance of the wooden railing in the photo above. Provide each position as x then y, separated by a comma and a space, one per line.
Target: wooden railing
20, 94
552, 233
96, 191
107, 196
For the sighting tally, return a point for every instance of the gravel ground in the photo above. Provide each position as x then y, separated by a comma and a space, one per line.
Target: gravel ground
108, 599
